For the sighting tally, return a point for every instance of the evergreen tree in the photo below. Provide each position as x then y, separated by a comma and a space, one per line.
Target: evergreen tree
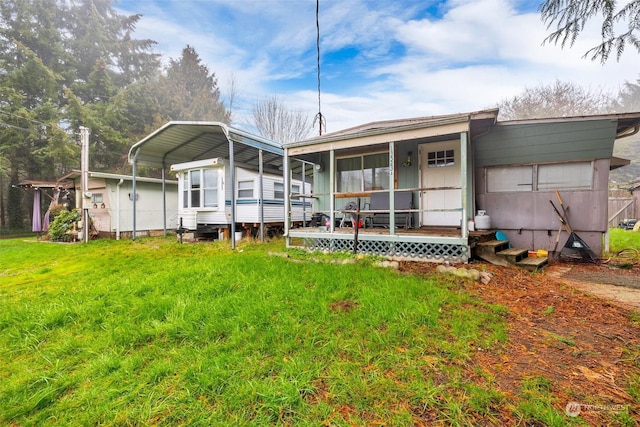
190, 92
64, 64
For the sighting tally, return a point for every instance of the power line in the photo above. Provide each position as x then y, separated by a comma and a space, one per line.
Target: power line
319, 117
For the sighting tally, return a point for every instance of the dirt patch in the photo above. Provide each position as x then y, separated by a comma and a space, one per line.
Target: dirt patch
343, 306
587, 345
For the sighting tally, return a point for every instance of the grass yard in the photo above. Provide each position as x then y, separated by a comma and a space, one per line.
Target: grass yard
623, 239
153, 332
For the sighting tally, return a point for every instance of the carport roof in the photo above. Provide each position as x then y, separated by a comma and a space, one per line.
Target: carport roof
182, 141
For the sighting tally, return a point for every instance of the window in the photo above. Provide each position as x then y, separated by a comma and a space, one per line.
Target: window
546, 177
578, 176
367, 172
185, 190
201, 188
509, 179
96, 198
245, 189
210, 187
194, 189
438, 159
278, 191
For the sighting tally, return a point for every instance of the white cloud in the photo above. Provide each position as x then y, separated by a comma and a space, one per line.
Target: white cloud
469, 56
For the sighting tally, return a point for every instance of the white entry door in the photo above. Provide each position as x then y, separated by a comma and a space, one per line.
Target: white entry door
441, 202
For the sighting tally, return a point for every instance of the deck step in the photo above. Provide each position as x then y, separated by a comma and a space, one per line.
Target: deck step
533, 263
488, 251
514, 255
493, 246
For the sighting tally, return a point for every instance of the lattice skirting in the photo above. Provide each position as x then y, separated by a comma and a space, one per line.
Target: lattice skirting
411, 250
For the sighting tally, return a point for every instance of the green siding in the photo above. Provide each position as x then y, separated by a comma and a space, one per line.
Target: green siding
546, 142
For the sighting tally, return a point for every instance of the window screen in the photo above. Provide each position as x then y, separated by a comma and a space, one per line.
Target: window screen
509, 179
566, 175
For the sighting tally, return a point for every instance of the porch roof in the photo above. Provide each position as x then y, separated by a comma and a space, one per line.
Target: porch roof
397, 130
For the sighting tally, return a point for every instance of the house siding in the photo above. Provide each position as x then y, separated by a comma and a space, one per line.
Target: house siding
510, 144
529, 221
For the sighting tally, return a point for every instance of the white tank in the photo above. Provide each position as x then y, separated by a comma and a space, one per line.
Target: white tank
482, 220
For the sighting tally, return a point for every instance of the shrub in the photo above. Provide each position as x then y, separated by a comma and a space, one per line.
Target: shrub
55, 210
62, 223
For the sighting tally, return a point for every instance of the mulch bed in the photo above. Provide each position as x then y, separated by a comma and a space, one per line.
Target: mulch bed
587, 347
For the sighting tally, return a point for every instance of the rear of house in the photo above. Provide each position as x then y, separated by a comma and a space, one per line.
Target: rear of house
453, 166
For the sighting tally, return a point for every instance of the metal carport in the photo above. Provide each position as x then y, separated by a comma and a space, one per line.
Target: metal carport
184, 141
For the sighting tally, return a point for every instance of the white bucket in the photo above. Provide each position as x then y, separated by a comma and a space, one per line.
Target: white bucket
483, 221
238, 235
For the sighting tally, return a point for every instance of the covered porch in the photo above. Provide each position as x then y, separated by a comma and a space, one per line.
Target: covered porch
407, 183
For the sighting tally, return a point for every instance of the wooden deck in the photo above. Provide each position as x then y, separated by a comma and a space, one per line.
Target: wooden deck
423, 231
476, 235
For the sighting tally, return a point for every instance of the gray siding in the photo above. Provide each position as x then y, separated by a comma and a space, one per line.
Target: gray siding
528, 219
510, 144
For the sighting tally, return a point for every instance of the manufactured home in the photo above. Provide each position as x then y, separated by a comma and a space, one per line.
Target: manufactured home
203, 196
419, 187
111, 198
231, 181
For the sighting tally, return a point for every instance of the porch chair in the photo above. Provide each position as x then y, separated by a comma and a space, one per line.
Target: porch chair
403, 200
347, 212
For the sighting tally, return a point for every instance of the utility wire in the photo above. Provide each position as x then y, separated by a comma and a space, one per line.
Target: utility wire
319, 117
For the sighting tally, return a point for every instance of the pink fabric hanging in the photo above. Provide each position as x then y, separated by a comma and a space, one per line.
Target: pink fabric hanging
36, 225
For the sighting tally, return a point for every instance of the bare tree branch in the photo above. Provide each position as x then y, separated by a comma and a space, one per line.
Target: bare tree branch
276, 122
560, 99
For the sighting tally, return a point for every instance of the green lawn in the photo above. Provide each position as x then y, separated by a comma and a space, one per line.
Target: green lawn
153, 332
623, 239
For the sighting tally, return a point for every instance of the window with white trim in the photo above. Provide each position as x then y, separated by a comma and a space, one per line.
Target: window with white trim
441, 158
245, 189
362, 173
200, 188
194, 189
210, 187
278, 191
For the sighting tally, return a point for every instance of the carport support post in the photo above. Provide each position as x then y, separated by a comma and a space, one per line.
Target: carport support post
261, 185
304, 191
287, 194
232, 177
164, 200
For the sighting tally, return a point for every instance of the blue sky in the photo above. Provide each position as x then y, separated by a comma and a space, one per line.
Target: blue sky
380, 59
